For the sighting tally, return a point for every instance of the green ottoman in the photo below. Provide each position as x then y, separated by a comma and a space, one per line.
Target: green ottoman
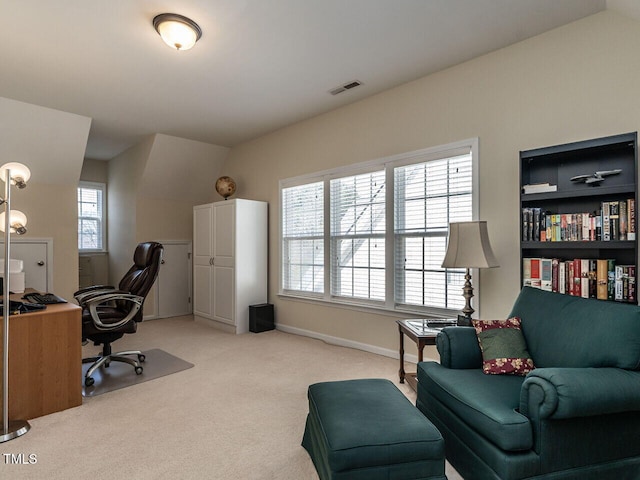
367, 429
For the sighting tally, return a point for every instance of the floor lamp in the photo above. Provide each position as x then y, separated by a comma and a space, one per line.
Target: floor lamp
11, 221
468, 247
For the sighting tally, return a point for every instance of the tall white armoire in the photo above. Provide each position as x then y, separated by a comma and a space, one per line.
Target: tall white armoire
229, 261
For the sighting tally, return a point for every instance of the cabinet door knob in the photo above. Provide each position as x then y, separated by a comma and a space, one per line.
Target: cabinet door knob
161, 262
40, 263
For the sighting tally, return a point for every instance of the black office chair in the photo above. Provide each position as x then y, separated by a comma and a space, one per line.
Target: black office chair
108, 313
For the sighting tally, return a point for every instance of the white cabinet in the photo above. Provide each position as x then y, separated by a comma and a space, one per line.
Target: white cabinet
229, 261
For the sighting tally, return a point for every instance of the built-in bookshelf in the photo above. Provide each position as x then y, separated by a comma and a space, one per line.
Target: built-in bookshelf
577, 206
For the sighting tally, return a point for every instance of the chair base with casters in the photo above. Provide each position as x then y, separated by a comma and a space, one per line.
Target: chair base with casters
108, 357
108, 312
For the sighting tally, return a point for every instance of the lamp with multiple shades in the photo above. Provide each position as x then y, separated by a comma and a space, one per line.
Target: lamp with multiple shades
468, 247
11, 221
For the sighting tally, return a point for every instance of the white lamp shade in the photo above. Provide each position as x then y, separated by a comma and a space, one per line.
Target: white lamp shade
18, 170
16, 220
469, 246
177, 31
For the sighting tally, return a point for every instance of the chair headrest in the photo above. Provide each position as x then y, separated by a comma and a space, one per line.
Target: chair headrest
143, 256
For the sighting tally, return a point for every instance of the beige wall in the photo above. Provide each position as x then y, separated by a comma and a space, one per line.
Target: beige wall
569, 84
153, 187
52, 213
52, 144
94, 171
98, 263
125, 173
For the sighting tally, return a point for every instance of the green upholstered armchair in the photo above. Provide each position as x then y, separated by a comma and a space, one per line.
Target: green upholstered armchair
576, 416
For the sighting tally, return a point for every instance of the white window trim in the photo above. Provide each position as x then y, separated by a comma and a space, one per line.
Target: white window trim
452, 149
103, 187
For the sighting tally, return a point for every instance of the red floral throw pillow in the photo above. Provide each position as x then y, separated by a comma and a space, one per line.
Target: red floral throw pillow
504, 350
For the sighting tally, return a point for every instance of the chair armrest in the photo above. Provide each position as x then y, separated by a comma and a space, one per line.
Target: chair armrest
560, 393
93, 287
88, 297
458, 348
109, 296
83, 292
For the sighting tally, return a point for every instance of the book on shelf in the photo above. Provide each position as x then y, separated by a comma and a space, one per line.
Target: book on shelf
606, 235
602, 279
625, 283
546, 280
539, 188
526, 272
535, 273
622, 225
602, 275
631, 219
611, 279
615, 220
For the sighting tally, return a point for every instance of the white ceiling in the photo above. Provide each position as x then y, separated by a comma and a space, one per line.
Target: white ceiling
260, 64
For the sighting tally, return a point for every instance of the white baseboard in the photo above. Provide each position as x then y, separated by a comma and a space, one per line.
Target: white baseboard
215, 324
342, 342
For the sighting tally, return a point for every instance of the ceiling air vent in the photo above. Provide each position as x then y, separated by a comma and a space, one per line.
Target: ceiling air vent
345, 87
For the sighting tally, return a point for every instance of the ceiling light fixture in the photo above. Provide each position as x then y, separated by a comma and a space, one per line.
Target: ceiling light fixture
177, 31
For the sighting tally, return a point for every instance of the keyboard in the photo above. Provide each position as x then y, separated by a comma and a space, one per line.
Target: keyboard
43, 298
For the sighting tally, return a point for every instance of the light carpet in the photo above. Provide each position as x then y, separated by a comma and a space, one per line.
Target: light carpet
239, 413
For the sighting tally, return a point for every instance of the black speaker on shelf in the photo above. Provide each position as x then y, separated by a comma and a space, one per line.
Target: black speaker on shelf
261, 318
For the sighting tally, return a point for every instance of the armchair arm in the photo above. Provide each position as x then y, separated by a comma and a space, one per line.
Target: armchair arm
459, 348
108, 296
83, 292
561, 393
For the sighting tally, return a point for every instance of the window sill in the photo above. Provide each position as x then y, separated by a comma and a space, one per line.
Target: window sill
373, 309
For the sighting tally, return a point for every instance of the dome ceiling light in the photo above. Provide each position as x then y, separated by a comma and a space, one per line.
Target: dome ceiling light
177, 31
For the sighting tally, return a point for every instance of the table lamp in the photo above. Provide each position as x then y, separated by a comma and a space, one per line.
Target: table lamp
468, 247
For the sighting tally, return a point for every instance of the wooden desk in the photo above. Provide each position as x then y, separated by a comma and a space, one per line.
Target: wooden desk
45, 361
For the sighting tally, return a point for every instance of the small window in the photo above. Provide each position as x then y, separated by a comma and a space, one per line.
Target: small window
91, 217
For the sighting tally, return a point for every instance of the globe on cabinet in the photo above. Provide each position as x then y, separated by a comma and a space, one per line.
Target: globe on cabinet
225, 186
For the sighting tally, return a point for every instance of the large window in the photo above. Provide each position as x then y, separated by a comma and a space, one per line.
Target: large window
375, 234
428, 196
357, 236
302, 238
91, 231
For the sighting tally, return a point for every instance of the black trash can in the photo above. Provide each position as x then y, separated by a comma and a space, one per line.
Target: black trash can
261, 318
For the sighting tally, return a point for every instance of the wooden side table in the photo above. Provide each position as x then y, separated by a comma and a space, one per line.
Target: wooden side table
420, 332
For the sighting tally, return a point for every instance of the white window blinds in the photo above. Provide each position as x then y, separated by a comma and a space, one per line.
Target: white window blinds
428, 196
358, 236
303, 238
374, 234
91, 232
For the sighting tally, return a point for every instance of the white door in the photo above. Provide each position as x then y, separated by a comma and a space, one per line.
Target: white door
223, 262
202, 261
223, 294
37, 255
223, 229
174, 280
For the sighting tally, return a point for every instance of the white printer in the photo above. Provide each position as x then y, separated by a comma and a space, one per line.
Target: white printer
16, 275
